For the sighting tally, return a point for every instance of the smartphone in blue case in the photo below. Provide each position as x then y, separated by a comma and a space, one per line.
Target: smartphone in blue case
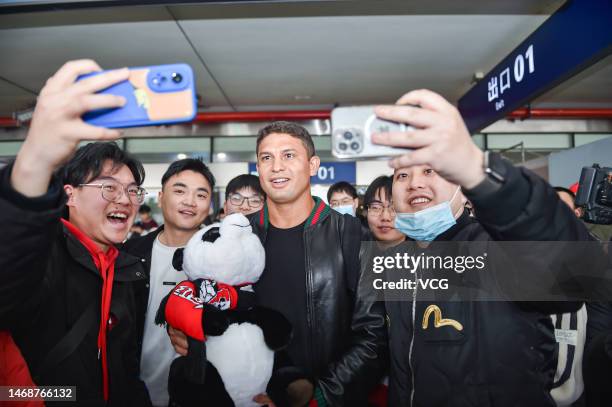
161, 94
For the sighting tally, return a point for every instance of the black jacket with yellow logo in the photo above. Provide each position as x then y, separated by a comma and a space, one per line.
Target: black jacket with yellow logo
485, 353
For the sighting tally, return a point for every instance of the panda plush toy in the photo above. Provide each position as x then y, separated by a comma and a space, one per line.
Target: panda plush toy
234, 346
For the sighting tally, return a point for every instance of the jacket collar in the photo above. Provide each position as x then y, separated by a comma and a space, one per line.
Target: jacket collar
142, 246
319, 212
80, 254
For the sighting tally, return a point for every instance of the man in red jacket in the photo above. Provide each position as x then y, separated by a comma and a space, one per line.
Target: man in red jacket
14, 370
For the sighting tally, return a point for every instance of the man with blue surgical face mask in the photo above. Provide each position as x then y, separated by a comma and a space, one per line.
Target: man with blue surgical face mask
428, 205
467, 352
343, 198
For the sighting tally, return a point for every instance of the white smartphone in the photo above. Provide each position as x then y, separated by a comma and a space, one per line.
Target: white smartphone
352, 129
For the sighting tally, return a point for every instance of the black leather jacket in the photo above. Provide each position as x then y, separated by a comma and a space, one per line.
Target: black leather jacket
347, 342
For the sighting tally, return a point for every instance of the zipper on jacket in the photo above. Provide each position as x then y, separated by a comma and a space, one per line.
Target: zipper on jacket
414, 292
309, 307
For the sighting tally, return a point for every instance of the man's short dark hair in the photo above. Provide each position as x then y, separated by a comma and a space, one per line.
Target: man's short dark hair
88, 162
144, 208
189, 164
385, 183
294, 130
244, 181
342, 186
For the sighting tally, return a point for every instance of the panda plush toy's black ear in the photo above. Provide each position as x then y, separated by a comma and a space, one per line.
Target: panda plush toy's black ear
177, 259
211, 235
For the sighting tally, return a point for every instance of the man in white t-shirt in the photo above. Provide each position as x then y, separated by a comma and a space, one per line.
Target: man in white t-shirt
185, 199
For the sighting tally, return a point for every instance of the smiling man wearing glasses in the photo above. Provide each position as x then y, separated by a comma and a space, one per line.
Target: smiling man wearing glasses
244, 194
72, 270
380, 214
66, 293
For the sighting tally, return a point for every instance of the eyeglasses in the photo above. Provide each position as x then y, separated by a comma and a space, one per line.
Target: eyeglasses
254, 201
376, 208
343, 202
112, 191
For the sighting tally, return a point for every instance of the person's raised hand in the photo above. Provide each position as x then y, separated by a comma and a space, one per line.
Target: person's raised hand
57, 128
439, 139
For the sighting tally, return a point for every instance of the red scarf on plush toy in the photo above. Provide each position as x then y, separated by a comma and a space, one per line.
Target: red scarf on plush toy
105, 263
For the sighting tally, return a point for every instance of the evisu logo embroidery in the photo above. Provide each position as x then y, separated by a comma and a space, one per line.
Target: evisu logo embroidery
438, 320
186, 292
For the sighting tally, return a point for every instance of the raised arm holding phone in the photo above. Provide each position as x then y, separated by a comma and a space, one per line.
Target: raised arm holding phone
65, 291
440, 169
57, 126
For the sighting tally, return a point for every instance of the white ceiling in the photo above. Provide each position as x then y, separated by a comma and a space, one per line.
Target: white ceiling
296, 55
592, 88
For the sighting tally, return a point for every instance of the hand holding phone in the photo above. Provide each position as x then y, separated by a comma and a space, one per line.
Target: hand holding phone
352, 129
440, 139
162, 94
57, 127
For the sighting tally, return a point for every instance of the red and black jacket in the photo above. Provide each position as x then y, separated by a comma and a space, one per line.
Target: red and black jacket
47, 281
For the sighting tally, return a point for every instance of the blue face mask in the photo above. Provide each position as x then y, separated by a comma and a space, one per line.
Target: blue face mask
426, 225
348, 209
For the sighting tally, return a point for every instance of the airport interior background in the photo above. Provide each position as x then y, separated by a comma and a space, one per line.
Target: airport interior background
256, 62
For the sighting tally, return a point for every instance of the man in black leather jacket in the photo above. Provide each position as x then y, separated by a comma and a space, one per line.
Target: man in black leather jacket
313, 271
482, 353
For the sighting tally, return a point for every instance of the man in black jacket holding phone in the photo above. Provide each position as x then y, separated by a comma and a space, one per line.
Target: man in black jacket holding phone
498, 352
66, 293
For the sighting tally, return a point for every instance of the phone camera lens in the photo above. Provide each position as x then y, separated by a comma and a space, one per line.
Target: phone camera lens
158, 80
347, 135
355, 145
177, 77
342, 146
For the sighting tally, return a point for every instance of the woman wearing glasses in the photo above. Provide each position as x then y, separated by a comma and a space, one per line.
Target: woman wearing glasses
380, 212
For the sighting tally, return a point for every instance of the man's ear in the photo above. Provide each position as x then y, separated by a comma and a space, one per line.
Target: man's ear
160, 194
69, 190
315, 162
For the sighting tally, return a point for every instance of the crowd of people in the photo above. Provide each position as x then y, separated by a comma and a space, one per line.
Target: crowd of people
78, 301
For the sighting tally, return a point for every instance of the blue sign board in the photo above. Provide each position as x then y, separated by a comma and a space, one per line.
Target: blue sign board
329, 173
573, 38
